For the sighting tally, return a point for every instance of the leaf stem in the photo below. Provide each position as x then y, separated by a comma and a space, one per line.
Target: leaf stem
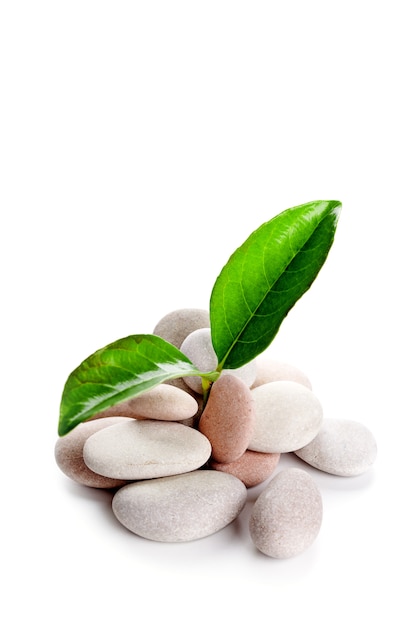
207, 380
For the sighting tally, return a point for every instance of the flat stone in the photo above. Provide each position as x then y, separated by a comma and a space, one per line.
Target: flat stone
180, 383
180, 508
270, 370
252, 468
228, 418
69, 454
198, 347
140, 449
175, 326
287, 516
342, 447
164, 402
288, 417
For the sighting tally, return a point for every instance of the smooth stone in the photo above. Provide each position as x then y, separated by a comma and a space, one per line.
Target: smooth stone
228, 418
270, 370
164, 402
69, 454
198, 347
141, 449
288, 417
287, 516
180, 383
252, 468
180, 508
175, 326
342, 447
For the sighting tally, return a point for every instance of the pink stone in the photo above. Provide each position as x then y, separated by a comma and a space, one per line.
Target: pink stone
252, 468
69, 454
228, 418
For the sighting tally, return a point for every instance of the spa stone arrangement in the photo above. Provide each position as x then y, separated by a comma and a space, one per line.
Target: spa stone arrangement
180, 424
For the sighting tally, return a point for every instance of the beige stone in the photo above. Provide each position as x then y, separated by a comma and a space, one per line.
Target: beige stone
164, 402
175, 326
69, 454
269, 370
287, 516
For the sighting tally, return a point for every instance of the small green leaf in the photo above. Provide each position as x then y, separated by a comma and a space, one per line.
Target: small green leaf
265, 277
117, 372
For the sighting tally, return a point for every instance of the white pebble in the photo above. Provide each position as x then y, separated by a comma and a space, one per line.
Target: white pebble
180, 508
141, 449
287, 417
342, 447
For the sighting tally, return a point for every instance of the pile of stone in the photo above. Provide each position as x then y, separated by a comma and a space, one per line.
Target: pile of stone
181, 471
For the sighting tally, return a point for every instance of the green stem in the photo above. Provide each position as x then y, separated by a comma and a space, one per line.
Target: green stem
207, 380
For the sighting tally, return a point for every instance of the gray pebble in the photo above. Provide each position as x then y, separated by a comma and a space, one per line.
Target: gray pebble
287, 516
342, 447
175, 326
198, 347
180, 508
140, 449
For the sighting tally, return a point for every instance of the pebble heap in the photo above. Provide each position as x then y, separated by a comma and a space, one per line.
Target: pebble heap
181, 471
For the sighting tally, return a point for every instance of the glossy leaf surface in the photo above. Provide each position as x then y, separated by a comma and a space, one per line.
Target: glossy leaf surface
121, 370
265, 277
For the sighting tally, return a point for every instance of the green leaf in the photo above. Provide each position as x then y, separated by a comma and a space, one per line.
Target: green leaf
117, 372
265, 277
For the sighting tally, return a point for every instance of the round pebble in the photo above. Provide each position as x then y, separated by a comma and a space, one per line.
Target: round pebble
197, 346
69, 454
175, 326
180, 508
252, 468
287, 516
342, 447
228, 418
164, 402
140, 449
270, 370
288, 417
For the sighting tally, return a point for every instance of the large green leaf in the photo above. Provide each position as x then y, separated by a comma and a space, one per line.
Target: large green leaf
117, 372
265, 277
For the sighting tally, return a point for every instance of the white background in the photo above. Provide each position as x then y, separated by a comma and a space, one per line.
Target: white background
141, 143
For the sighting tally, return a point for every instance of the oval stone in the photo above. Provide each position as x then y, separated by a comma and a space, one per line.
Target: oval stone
228, 418
140, 449
270, 370
69, 454
252, 468
164, 402
198, 347
180, 508
288, 417
175, 326
287, 516
342, 447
